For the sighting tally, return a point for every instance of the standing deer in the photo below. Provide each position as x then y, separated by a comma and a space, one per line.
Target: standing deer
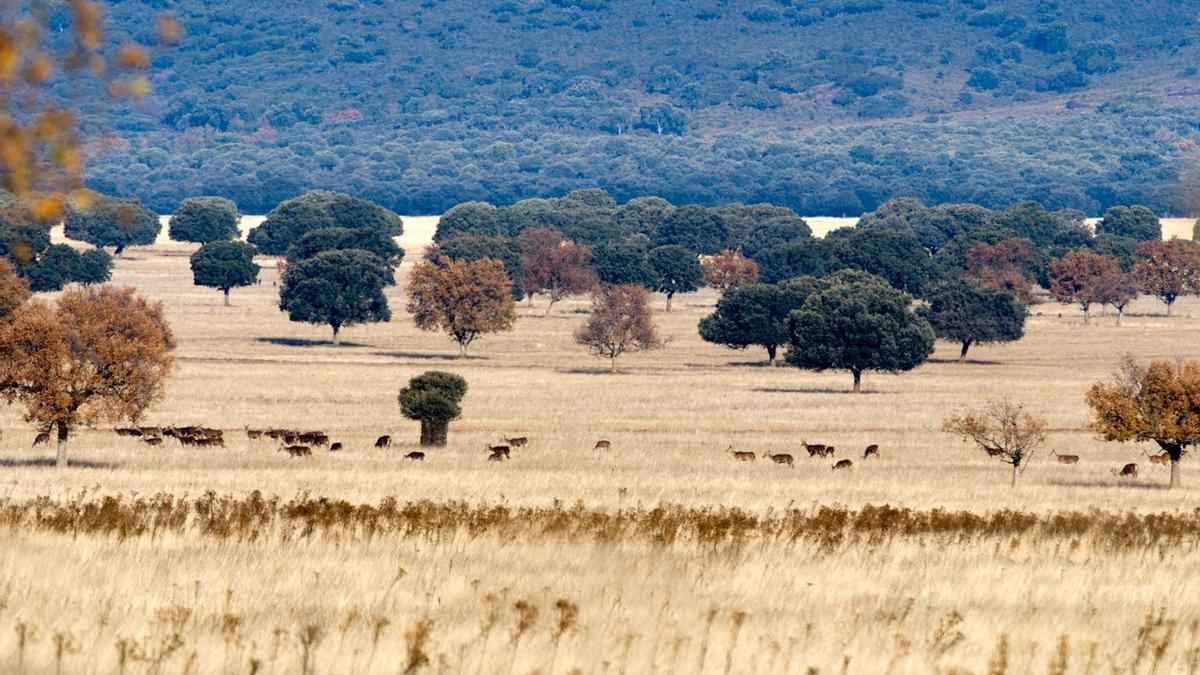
518, 442
602, 445
740, 455
1129, 470
814, 449
297, 450
843, 464
1162, 458
335, 447
782, 458
42, 439
383, 442
416, 456
1065, 459
499, 452
871, 451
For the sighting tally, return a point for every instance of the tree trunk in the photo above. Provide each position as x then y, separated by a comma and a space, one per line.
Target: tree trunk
549, 306
858, 381
434, 432
462, 350
337, 336
962, 355
1170, 303
1016, 475
226, 297
1086, 317
771, 351
60, 459
1174, 473
669, 296
612, 365
1120, 312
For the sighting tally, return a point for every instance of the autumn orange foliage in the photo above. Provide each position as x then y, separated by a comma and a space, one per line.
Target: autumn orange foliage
727, 269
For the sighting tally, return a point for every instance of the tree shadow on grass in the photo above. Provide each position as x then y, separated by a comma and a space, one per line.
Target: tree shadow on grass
814, 390
430, 357
973, 362
38, 462
1109, 484
301, 342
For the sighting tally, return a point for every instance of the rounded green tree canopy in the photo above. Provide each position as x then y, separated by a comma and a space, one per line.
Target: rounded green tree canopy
342, 239
106, 221
224, 265
337, 288
433, 396
204, 219
317, 210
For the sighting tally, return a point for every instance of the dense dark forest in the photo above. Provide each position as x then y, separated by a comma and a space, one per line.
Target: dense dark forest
825, 106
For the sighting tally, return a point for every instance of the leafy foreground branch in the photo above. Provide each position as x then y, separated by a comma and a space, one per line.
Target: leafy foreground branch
255, 516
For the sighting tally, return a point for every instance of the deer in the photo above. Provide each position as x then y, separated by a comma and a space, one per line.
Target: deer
782, 458
297, 450
814, 449
128, 432
518, 442
602, 445
1163, 458
829, 450
1130, 470
843, 464
871, 451
741, 456
1065, 459
254, 434
336, 447
153, 441
42, 439
499, 452
416, 456
383, 442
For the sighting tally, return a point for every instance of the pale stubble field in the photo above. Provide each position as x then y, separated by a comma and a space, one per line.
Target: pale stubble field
340, 601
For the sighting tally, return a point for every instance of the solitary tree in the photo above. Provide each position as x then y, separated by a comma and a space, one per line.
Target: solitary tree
1159, 403
463, 298
106, 221
1084, 278
224, 265
1134, 222
554, 266
204, 219
728, 269
756, 314
434, 399
336, 288
1117, 290
1003, 430
317, 210
676, 270
620, 322
97, 354
966, 313
859, 323
1004, 266
14, 290
1167, 269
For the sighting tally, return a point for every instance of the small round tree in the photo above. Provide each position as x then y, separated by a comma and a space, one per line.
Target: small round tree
433, 399
756, 314
676, 270
620, 264
858, 323
338, 289
554, 266
224, 265
1134, 222
620, 322
94, 267
317, 210
1167, 269
966, 313
204, 219
465, 299
118, 223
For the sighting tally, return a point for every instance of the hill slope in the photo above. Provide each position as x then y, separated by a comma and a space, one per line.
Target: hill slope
828, 106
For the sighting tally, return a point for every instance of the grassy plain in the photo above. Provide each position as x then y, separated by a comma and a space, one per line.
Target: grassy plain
485, 593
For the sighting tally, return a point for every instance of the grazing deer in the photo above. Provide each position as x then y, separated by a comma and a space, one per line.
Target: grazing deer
297, 450
814, 449
1065, 459
1163, 458
602, 445
42, 439
829, 450
254, 434
336, 447
871, 451
153, 441
498, 451
782, 458
741, 455
518, 442
416, 456
150, 431
843, 464
128, 432
1130, 470
383, 442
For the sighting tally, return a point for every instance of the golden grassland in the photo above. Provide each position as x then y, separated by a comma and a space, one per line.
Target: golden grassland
562, 559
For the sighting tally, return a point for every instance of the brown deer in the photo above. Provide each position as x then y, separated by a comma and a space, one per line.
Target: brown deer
126, 432
1130, 470
782, 458
499, 452
814, 449
829, 450
297, 450
254, 434
42, 439
1163, 458
741, 455
1065, 459
843, 464
871, 451
518, 442
152, 441
416, 456
602, 445
150, 431
383, 442
336, 447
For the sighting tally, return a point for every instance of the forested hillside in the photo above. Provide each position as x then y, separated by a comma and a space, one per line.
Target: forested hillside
826, 106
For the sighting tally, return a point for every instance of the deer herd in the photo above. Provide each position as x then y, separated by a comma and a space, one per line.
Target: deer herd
302, 443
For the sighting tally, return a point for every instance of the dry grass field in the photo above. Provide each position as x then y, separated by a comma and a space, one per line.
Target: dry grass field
561, 560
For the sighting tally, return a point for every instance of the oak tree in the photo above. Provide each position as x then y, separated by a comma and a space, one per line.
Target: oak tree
1004, 266
224, 265
434, 398
756, 314
97, 354
1167, 269
14, 289
554, 266
320, 209
1002, 429
1133, 222
338, 289
676, 270
620, 323
1158, 403
728, 269
468, 247
1083, 278
463, 298
204, 219
966, 313
105, 221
